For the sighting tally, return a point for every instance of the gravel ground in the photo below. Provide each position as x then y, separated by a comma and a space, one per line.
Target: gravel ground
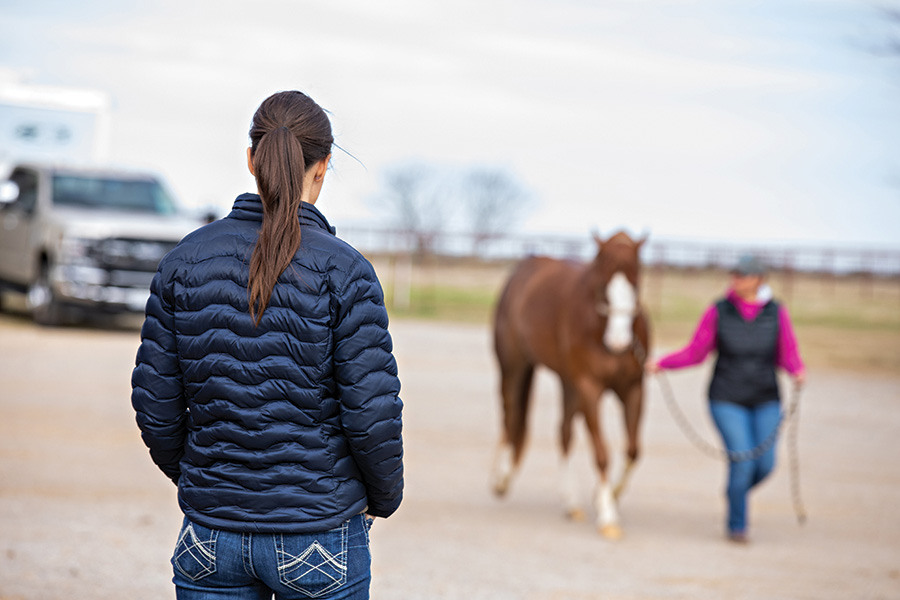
85, 514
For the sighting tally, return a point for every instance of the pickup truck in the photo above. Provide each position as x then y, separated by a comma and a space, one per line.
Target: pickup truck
75, 239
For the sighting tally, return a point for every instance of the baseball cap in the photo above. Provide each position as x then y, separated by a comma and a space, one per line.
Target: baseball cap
749, 264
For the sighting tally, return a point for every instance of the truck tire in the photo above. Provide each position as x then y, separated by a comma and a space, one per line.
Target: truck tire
45, 308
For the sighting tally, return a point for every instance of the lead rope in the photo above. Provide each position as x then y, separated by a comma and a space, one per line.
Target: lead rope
794, 460
790, 415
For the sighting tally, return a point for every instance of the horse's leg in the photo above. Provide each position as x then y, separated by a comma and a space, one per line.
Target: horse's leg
569, 478
632, 401
604, 503
515, 389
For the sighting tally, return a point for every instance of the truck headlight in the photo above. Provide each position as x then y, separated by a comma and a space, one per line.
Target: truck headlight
76, 251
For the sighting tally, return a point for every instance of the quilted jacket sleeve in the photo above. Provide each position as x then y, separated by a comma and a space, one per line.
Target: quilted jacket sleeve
157, 392
368, 388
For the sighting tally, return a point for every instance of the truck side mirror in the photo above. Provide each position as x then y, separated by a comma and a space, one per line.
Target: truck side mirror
9, 192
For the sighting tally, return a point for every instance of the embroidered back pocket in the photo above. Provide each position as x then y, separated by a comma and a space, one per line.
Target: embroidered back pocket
195, 552
315, 563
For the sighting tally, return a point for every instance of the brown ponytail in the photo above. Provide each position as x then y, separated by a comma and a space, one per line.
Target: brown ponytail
289, 135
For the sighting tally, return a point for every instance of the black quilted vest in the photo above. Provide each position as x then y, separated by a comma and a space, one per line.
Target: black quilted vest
745, 369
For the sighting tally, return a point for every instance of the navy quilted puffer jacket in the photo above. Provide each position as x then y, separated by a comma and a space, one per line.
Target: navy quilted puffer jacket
292, 426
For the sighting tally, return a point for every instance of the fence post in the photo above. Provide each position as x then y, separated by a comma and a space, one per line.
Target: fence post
658, 268
788, 276
401, 281
867, 277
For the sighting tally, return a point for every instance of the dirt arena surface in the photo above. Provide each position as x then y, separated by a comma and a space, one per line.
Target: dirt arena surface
85, 514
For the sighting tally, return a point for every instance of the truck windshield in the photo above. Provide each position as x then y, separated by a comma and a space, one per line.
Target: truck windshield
146, 196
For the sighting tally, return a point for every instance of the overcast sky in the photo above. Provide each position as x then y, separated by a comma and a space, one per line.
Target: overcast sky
764, 120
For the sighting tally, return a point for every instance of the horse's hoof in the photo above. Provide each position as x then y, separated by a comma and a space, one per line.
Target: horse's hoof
611, 532
576, 514
503, 469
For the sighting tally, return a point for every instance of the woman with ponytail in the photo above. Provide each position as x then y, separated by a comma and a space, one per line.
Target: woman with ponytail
265, 385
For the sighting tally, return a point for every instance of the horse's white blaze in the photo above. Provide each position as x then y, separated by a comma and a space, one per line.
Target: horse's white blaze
622, 307
605, 505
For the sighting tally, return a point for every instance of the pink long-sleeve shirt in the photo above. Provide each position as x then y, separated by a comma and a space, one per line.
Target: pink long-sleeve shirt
787, 355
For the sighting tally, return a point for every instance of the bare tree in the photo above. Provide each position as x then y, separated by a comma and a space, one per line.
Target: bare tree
421, 198
494, 201
415, 201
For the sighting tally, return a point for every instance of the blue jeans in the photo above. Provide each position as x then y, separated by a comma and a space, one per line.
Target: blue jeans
214, 564
744, 428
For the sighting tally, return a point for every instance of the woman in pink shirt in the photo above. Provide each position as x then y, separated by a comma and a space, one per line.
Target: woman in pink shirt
753, 336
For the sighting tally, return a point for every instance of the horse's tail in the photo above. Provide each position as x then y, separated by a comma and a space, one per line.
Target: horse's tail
515, 408
516, 371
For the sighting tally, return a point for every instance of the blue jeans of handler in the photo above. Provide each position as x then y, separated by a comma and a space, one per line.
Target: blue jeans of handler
213, 564
744, 428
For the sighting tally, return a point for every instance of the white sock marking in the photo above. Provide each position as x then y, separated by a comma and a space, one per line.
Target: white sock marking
503, 467
605, 505
569, 484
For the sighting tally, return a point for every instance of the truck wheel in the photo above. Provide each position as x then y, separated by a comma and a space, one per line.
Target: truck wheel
45, 308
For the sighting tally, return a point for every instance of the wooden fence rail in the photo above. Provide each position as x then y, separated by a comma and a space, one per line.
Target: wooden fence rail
823, 259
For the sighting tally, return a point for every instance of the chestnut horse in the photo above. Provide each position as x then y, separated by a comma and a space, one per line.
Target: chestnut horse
584, 322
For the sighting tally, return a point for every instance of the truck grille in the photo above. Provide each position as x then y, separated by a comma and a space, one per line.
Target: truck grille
130, 254
139, 279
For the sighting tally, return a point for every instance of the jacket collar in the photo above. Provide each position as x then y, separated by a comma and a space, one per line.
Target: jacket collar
763, 297
248, 207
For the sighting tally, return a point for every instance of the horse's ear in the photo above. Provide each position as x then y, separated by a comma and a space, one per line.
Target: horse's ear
595, 233
644, 236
